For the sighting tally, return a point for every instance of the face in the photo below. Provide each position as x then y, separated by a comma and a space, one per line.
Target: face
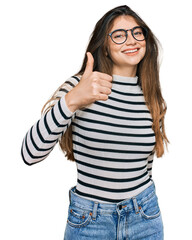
124, 61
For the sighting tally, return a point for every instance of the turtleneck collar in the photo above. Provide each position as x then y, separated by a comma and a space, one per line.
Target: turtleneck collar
122, 80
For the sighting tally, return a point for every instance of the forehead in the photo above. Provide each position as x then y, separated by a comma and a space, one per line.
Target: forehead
125, 22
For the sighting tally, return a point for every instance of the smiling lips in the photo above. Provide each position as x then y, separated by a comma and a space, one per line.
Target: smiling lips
132, 51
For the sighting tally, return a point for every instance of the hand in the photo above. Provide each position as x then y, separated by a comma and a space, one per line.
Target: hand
93, 86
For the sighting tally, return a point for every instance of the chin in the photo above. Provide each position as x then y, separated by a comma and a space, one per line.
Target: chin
133, 63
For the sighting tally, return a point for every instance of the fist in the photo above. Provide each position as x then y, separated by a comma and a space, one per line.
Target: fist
93, 86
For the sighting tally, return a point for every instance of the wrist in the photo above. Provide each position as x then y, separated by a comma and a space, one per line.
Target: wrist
70, 101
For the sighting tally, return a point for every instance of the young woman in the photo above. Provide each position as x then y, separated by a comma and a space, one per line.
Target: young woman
109, 119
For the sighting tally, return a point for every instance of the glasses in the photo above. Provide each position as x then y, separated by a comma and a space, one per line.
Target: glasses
119, 36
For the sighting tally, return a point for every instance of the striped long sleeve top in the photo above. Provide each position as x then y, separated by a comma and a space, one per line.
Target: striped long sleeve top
113, 141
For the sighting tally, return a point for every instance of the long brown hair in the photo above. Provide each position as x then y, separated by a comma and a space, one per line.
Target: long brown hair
147, 72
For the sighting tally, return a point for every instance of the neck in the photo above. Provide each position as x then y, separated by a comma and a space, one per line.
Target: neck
125, 71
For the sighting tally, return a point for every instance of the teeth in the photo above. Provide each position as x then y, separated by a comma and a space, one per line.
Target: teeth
131, 51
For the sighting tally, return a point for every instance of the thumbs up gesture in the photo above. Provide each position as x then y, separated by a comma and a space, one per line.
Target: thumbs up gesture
93, 86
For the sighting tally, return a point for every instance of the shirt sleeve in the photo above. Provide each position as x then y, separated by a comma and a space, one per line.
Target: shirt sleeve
150, 163
42, 137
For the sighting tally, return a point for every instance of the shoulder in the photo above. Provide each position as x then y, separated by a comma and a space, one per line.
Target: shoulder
72, 81
67, 85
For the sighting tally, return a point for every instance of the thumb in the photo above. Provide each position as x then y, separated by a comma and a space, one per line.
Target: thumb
90, 63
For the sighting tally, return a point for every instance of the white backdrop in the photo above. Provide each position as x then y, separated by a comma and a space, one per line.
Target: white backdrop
42, 43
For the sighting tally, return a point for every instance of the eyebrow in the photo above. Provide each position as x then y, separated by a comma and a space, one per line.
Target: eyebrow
125, 28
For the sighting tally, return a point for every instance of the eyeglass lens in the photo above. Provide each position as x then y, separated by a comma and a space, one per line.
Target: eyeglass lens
120, 36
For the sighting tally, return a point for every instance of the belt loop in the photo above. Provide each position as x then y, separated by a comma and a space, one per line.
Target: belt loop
135, 205
94, 215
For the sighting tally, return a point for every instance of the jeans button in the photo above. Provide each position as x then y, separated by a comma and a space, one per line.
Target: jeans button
120, 207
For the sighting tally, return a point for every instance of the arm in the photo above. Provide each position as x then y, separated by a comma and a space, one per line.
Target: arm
151, 157
150, 163
40, 140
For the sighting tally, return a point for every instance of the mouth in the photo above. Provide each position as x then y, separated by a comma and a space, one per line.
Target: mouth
131, 52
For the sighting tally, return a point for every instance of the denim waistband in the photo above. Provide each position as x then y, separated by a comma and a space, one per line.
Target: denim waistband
129, 203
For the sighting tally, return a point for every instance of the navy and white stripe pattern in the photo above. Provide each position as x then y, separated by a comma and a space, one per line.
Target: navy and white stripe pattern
43, 136
113, 141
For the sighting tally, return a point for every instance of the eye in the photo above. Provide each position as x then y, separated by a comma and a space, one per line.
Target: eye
138, 32
118, 34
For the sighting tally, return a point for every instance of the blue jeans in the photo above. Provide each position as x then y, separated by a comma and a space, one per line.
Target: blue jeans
135, 218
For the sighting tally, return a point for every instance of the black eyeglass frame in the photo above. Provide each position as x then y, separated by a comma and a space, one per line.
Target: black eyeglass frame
126, 34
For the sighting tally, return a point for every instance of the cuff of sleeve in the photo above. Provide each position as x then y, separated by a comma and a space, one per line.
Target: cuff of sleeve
65, 107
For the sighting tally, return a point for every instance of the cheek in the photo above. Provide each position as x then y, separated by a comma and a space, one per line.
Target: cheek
113, 50
143, 50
